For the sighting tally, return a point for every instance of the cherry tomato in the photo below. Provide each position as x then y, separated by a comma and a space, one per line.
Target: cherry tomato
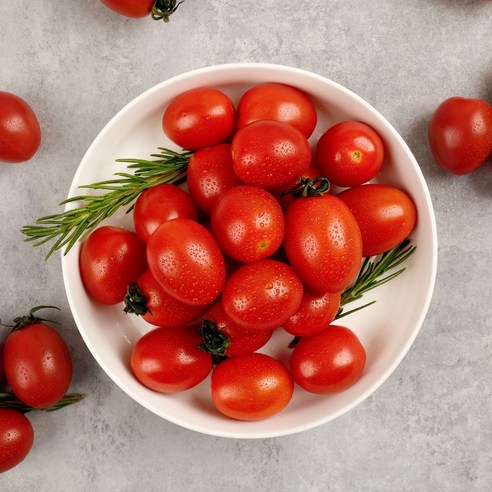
262, 295
160, 203
280, 102
251, 387
323, 242
168, 360
460, 134
331, 361
20, 134
385, 214
210, 173
130, 8
37, 364
186, 260
270, 154
223, 336
349, 153
16, 438
248, 223
199, 118
316, 312
156, 306
111, 258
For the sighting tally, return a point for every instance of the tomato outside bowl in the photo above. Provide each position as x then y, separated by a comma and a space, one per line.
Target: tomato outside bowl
387, 328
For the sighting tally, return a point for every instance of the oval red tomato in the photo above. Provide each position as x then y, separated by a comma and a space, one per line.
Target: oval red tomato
199, 118
331, 361
248, 223
20, 133
385, 214
460, 134
111, 258
16, 438
251, 387
168, 360
130, 8
160, 203
186, 260
270, 154
349, 153
280, 102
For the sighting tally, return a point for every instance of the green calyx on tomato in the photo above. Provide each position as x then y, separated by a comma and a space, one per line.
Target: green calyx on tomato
215, 341
30, 319
162, 9
135, 301
308, 187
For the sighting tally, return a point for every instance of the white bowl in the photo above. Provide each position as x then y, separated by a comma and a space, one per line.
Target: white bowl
386, 329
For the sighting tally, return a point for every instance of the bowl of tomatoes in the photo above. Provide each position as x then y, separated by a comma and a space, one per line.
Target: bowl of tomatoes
267, 267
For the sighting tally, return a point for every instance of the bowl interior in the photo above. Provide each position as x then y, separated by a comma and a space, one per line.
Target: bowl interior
387, 328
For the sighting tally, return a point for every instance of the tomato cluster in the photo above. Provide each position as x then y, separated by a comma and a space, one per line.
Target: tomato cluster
217, 270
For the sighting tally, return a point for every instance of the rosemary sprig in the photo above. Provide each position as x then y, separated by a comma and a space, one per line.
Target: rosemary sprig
70, 226
9, 400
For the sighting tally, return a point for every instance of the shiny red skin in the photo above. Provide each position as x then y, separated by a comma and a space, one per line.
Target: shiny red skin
164, 310
38, 365
199, 118
20, 133
280, 102
130, 8
329, 362
248, 223
168, 360
241, 340
316, 312
16, 438
349, 153
270, 154
239, 390
110, 258
185, 259
262, 295
210, 173
160, 203
385, 214
460, 134
323, 242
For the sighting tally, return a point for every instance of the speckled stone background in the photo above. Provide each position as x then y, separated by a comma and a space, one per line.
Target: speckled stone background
428, 428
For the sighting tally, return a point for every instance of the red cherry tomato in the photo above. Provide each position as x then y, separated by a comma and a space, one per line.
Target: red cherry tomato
248, 223
20, 134
160, 203
16, 438
251, 387
316, 312
38, 365
349, 153
460, 134
262, 295
186, 260
130, 8
168, 360
157, 307
323, 242
331, 361
270, 154
280, 102
199, 118
385, 214
210, 173
111, 258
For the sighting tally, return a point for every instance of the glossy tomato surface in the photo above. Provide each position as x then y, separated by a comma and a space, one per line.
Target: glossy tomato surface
386, 215
186, 260
280, 102
16, 438
460, 134
251, 387
199, 118
331, 361
130, 8
38, 365
110, 258
168, 360
20, 133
